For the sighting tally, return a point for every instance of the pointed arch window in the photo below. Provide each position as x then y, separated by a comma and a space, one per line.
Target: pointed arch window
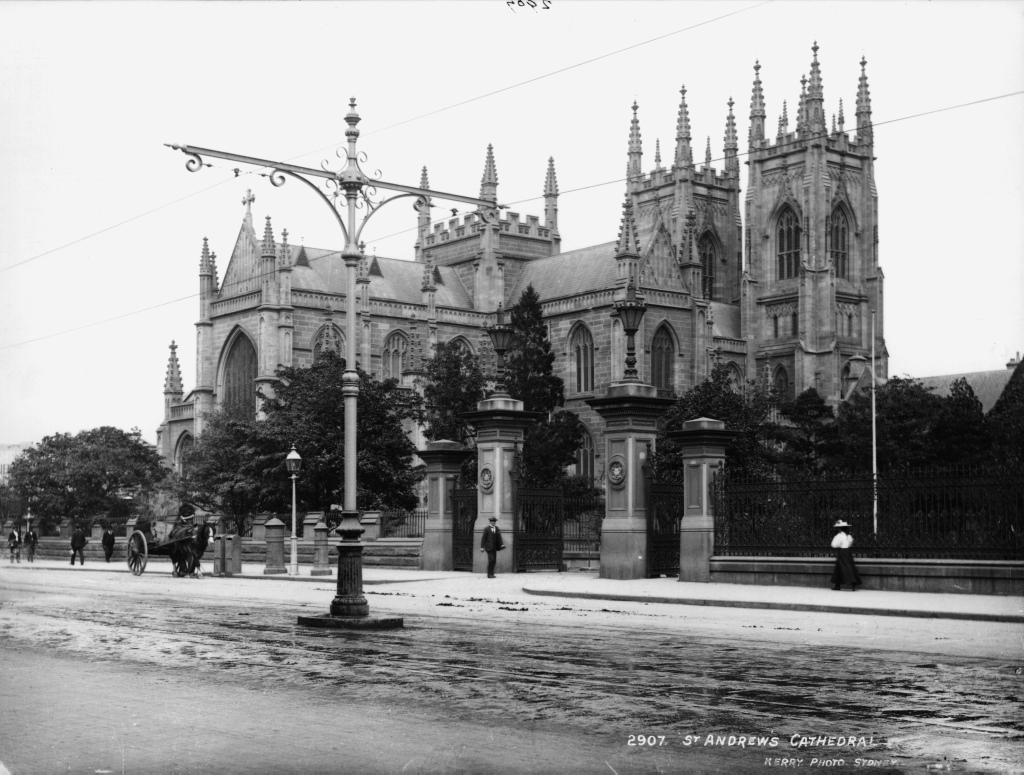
780, 381
240, 377
582, 349
585, 457
706, 249
396, 347
788, 245
839, 243
663, 352
185, 444
329, 337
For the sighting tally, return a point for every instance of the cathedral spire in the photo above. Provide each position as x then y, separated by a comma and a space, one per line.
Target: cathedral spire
864, 133
801, 110
815, 105
204, 258
268, 240
285, 259
842, 119
172, 383
424, 181
684, 154
707, 154
628, 245
489, 181
551, 197
634, 169
757, 113
657, 154
732, 143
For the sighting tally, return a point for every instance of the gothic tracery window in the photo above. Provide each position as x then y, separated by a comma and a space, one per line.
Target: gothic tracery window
663, 353
780, 382
393, 357
328, 338
240, 377
839, 243
582, 348
788, 245
585, 457
706, 249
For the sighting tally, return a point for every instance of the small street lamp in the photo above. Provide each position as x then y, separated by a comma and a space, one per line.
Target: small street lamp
502, 335
294, 464
630, 312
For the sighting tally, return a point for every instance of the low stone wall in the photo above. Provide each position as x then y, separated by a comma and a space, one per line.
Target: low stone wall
950, 576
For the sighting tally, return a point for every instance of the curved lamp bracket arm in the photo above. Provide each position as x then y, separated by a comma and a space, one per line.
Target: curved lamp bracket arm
373, 208
277, 179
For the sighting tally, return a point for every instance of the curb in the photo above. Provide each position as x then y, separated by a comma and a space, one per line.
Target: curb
832, 609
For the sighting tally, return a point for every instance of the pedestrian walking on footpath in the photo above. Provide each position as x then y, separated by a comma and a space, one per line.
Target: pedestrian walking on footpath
78, 542
845, 571
491, 543
31, 539
14, 544
108, 543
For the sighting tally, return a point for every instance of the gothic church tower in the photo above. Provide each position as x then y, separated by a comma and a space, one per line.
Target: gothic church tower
811, 277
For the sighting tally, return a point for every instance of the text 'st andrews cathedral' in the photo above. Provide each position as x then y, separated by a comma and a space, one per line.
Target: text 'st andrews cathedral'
779, 285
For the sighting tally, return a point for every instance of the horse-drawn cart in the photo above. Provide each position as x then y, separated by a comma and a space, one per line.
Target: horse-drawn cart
176, 537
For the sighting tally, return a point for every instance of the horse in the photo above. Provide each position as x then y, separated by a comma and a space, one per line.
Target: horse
187, 554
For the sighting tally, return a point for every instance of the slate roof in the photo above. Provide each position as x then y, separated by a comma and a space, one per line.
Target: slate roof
987, 385
569, 274
390, 278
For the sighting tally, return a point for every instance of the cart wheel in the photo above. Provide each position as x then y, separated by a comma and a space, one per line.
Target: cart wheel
137, 553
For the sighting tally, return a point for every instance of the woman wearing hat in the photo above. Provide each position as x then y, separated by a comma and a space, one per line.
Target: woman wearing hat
845, 571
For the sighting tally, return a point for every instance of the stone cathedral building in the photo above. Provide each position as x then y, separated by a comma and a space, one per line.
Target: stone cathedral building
778, 281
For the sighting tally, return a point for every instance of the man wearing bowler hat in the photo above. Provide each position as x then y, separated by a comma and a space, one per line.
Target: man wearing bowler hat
491, 543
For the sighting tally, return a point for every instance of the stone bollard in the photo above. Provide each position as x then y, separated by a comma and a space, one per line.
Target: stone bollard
233, 555
219, 555
275, 547
321, 566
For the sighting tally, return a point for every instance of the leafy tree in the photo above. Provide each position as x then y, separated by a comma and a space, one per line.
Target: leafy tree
453, 384
230, 467
530, 362
906, 415
94, 474
961, 436
308, 411
809, 438
1005, 420
549, 446
745, 412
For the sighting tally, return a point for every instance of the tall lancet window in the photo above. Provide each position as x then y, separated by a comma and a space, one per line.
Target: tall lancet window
840, 243
240, 377
663, 354
706, 248
395, 348
788, 245
582, 348
329, 337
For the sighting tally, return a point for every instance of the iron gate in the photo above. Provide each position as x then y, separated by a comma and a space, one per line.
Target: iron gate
463, 520
665, 508
538, 529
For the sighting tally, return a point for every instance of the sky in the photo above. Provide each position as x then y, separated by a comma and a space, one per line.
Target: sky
102, 225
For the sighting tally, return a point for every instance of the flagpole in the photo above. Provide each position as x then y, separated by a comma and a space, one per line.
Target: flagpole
874, 436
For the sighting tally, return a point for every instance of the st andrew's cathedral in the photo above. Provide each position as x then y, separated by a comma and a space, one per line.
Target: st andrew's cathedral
778, 285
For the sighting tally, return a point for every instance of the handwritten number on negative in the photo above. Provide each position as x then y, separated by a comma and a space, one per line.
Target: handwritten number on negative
545, 5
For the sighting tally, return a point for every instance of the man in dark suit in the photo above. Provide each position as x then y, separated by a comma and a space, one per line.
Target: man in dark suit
108, 543
78, 542
491, 543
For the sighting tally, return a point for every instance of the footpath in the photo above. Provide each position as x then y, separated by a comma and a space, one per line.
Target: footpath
587, 585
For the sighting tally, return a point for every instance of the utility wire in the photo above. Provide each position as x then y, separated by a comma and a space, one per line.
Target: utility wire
258, 277
400, 123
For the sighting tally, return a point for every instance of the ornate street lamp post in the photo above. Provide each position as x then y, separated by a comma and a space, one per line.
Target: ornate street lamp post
348, 190
630, 312
502, 335
294, 464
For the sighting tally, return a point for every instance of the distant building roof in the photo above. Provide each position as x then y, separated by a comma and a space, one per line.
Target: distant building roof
987, 385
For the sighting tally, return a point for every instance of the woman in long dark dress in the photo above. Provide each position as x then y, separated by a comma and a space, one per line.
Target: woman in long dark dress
845, 571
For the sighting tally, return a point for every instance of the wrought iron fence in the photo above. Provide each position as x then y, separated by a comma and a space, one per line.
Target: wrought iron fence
399, 523
935, 514
581, 522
